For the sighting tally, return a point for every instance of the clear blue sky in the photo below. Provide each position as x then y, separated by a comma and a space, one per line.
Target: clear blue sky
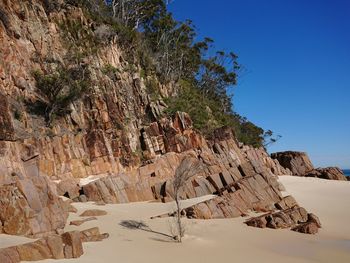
297, 57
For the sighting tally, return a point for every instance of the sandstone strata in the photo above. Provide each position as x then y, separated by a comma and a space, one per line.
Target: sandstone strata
242, 178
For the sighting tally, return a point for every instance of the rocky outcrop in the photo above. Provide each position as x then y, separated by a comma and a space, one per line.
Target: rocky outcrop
330, 173
300, 165
242, 179
45, 248
290, 216
227, 173
100, 133
297, 162
29, 204
73, 247
68, 245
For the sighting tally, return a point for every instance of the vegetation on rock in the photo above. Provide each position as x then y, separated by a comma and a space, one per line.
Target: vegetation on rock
59, 89
166, 48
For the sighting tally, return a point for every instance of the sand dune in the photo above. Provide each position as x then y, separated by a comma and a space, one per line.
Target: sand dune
225, 240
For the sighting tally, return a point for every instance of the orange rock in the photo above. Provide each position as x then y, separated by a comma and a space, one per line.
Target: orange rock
93, 235
80, 222
73, 244
94, 212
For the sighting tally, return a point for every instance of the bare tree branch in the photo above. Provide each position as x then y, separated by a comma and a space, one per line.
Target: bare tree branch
188, 168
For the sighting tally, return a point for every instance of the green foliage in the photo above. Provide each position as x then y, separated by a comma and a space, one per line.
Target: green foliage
80, 40
18, 115
191, 101
153, 39
207, 115
215, 79
152, 87
96, 10
51, 5
59, 89
109, 69
127, 37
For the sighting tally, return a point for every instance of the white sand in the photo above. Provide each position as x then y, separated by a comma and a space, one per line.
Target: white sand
8, 241
225, 240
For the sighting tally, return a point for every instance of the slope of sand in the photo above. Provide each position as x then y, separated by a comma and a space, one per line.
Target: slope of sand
224, 240
8, 241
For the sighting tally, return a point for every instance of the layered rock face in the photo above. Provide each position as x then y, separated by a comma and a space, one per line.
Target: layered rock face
100, 134
241, 174
297, 162
300, 165
241, 178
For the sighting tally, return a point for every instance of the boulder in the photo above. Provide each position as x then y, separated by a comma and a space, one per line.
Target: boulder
80, 222
94, 212
314, 219
30, 207
55, 244
44, 248
295, 218
286, 202
73, 244
297, 162
92, 235
330, 173
306, 228
68, 245
69, 188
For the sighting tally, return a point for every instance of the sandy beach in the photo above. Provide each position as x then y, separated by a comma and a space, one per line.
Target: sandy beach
223, 239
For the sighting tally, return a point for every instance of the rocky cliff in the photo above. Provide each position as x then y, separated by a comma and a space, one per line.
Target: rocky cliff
115, 131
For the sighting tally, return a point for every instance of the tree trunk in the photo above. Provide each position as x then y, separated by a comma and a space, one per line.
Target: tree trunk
178, 214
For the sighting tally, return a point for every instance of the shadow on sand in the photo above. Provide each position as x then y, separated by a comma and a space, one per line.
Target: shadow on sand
139, 225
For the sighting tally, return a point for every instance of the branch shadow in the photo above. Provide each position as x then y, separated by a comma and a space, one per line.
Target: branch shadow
139, 225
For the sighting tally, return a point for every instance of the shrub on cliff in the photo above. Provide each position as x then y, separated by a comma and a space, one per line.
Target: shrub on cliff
59, 89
